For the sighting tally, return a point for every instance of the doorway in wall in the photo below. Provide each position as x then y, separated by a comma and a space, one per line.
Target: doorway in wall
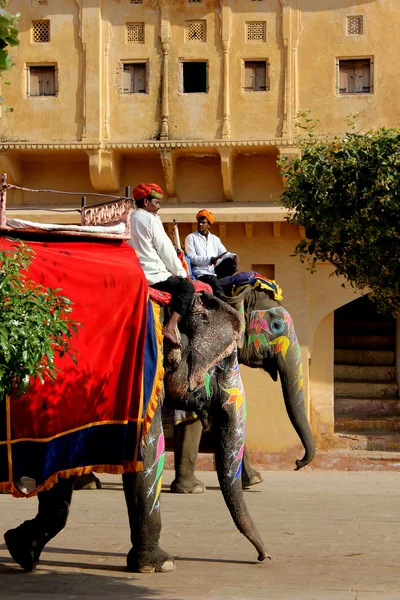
366, 393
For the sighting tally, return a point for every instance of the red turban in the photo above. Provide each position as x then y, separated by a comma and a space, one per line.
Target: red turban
147, 190
207, 214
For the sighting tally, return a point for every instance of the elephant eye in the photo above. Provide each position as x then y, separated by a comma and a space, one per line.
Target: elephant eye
277, 325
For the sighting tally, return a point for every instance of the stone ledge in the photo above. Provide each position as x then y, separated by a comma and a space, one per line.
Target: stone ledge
152, 144
357, 460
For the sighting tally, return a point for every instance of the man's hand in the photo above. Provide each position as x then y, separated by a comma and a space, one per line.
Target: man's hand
213, 260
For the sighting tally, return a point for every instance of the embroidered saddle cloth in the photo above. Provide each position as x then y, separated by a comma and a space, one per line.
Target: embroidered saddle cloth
93, 416
234, 284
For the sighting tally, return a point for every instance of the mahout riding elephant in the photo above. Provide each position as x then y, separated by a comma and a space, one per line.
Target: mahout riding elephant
269, 342
209, 334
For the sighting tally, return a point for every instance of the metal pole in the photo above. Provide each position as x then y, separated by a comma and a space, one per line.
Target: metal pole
83, 204
128, 191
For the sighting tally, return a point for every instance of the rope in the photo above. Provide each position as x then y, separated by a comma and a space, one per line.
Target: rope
17, 187
60, 210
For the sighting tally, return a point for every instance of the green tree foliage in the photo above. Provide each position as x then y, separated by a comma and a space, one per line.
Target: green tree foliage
35, 324
8, 35
345, 192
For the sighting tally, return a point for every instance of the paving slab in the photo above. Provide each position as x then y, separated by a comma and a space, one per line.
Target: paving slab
332, 535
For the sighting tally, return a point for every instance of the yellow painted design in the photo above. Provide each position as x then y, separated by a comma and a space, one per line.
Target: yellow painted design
281, 344
235, 397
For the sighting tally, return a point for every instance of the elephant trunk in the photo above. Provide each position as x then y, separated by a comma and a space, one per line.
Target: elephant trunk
228, 459
291, 375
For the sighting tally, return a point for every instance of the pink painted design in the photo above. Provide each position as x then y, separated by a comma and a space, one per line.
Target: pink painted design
240, 453
160, 447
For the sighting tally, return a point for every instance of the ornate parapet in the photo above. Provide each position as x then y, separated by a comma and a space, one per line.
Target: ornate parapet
104, 168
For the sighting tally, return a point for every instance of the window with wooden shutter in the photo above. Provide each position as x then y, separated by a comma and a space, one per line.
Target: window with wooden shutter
255, 76
42, 81
355, 76
134, 78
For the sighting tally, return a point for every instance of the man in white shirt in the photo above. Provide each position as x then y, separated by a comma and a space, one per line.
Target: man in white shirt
204, 250
162, 268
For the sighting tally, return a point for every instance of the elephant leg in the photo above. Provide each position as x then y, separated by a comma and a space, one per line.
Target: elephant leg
26, 542
249, 475
142, 495
186, 449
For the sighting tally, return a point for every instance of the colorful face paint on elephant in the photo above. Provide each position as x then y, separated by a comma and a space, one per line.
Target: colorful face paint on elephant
236, 405
156, 468
274, 328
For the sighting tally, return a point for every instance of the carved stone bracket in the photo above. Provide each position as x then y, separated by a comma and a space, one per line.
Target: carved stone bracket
168, 161
227, 164
104, 168
291, 154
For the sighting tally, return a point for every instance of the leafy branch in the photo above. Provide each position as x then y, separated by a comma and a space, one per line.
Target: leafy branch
8, 35
35, 324
345, 192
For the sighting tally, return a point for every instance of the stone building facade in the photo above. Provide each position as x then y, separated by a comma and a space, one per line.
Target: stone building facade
201, 96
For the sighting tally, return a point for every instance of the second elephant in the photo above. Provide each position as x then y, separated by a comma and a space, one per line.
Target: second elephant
269, 342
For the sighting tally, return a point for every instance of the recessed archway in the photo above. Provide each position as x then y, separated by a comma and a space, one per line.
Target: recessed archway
366, 393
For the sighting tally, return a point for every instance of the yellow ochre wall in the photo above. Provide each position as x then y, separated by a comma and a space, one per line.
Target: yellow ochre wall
217, 148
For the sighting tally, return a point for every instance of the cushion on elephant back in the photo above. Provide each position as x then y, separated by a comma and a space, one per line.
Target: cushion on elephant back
164, 298
235, 284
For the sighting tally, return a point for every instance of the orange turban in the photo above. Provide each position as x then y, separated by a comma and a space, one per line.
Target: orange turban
207, 214
147, 190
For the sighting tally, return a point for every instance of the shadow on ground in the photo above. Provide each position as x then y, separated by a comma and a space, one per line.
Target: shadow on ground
48, 583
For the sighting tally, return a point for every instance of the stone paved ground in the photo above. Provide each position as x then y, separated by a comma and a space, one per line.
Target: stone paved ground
332, 535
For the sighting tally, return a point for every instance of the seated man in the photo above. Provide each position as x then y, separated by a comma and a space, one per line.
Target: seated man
157, 255
204, 250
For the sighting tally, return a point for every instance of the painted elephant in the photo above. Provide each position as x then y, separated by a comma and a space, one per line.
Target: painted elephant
209, 335
269, 342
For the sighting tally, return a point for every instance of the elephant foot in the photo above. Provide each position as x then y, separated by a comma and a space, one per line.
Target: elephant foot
187, 485
156, 561
252, 478
87, 482
23, 549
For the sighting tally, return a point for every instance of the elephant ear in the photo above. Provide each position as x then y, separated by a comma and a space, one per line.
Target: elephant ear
214, 329
238, 303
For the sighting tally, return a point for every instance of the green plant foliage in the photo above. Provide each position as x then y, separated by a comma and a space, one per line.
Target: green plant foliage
8, 35
345, 192
35, 324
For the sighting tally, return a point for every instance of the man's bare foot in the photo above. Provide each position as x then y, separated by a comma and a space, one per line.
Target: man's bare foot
171, 337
